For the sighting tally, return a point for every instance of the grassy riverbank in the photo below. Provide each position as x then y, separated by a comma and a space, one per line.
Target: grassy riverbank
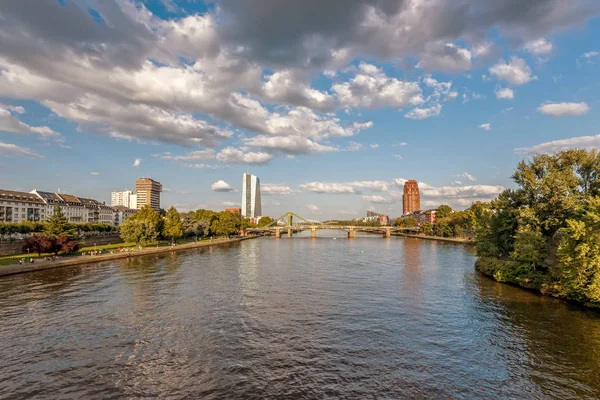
442, 239
79, 259
523, 275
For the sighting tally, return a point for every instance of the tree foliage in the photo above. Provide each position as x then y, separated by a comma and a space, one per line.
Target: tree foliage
408, 222
550, 225
57, 224
172, 227
444, 211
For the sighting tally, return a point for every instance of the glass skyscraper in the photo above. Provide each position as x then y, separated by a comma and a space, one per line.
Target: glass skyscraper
251, 206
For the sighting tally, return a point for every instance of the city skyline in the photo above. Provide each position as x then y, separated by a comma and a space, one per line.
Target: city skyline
334, 126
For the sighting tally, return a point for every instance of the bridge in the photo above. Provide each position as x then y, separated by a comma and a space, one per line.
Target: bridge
290, 227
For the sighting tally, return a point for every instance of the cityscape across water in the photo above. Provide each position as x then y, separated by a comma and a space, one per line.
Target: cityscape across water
364, 318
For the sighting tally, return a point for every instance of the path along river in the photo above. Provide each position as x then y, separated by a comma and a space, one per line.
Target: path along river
292, 318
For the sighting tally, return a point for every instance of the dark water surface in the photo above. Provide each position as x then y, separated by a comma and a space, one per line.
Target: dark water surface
299, 318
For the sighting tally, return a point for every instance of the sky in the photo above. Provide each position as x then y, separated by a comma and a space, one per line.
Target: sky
332, 104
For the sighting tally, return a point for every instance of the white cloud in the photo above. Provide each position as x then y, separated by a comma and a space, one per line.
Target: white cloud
486, 126
197, 155
230, 204
354, 146
376, 186
538, 47
580, 142
276, 189
377, 199
290, 87
372, 88
445, 57
12, 150
516, 71
504, 93
398, 156
467, 176
564, 109
137, 162
221, 186
230, 155
424, 113
374, 146
334, 188
95, 173
314, 208
10, 123
294, 145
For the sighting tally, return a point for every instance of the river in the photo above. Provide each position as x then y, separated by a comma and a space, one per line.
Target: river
292, 318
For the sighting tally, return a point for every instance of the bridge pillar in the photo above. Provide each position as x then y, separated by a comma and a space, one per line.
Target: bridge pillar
278, 233
351, 234
314, 233
289, 232
388, 233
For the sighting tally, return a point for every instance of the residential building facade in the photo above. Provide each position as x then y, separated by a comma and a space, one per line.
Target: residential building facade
125, 198
120, 213
251, 203
21, 206
148, 193
234, 210
411, 199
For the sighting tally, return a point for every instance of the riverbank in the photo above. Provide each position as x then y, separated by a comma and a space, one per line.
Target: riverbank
441, 239
80, 260
517, 274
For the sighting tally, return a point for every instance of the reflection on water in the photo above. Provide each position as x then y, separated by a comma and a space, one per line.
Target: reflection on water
299, 318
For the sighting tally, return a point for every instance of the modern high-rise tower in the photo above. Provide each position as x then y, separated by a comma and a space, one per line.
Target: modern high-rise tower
411, 200
251, 206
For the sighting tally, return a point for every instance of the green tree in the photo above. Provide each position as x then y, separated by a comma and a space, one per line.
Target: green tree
57, 224
427, 228
227, 224
172, 227
265, 221
408, 222
579, 254
443, 229
191, 227
444, 211
138, 231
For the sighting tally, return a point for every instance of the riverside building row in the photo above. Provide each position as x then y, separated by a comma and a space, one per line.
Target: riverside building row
38, 205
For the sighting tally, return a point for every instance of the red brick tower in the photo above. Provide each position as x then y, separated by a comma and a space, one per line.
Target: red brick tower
411, 200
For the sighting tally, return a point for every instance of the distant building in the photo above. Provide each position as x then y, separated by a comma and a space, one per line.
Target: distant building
125, 198
234, 210
251, 204
372, 216
411, 199
120, 213
148, 193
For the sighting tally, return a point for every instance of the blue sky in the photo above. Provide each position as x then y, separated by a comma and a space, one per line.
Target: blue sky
333, 105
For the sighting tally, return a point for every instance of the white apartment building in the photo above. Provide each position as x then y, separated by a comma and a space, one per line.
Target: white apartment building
120, 213
125, 198
20, 207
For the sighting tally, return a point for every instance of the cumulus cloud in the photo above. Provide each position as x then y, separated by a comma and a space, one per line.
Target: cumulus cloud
221, 186
276, 189
424, 113
516, 71
94, 173
377, 200
371, 88
564, 109
12, 150
538, 47
315, 209
445, 57
10, 123
197, 155
467, 176
332, 188
374, 146
230, 155
137, 162
294, 145
580, 142
504, 93
486, 126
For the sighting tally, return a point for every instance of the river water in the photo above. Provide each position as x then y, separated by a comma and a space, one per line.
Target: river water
292, 318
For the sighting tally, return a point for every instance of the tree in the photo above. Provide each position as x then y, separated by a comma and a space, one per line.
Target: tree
191, 227
227, 224
444, 211
579, 254
408, 222
172, 227
265, 221
66, 245
57, 224
427, 228
443, 229
138, 231
38, 244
